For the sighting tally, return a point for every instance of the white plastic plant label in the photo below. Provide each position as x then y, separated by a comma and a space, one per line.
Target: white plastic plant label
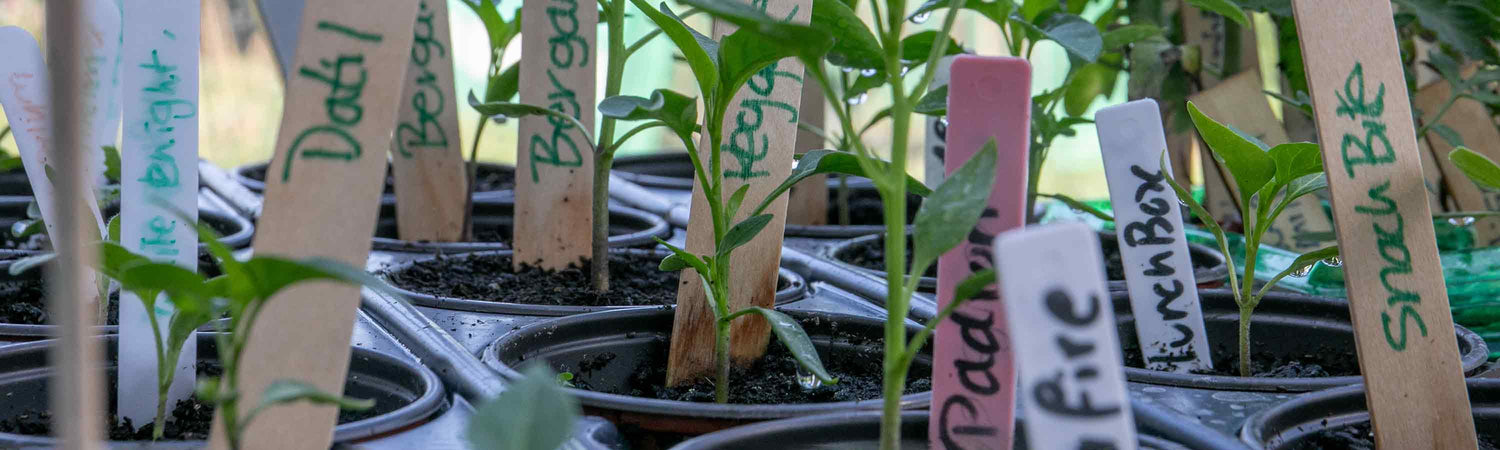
159, 174
102, 83
936, 144
1153, 249
1072, 386
24, 95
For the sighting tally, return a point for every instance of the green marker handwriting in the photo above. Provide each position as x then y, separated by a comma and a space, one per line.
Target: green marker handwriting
345, 76
428, 100
566, 50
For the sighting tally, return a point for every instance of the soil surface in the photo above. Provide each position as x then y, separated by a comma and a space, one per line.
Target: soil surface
1361, 436
871, 255
633, 281
191, 419
24, 301
1327, 362
488, 179
865, 207
770, 381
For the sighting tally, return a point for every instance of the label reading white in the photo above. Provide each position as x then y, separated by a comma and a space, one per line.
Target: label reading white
1153, 249
1071, 386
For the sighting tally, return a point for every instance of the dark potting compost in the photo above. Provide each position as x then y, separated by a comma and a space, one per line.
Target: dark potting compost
23, 300
493, 225
634, 281
1329, 361
1360, 436
489, 177
870, 254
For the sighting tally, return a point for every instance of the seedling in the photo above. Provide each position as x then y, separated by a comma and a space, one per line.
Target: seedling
545, 423
1476, 166
1269, 179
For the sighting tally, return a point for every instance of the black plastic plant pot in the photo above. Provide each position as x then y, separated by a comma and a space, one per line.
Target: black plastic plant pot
1339, 418
494, 222
607, 351
491, 177
674, 171
1308, 342
406, 394
13, 183
792, 287
867, 254
862, 430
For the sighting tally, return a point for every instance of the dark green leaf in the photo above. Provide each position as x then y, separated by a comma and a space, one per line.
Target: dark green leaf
1446, 66
791, 335
1118, 38
854, 45
504, 86
918, 46
1250, 166
1090, 82
828, 162
950, 213
111, 163
681, 259
736, 199
1304, 185
1296, 159
976, 283
533, 413
1476, 166
691, 43
1227, 8
521, 110
934, 102
1032, 9
996, 10
1462, 25
1080, 206
747, 51
1451, 137
742, 233
678, 111
1305, 260
113, 229
1076, 35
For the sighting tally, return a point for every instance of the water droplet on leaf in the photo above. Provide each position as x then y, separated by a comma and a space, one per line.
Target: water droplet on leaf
869, 72
858, 99
1461, 221
920, 18
1333, 261
807, 380
1302, 272
847, 69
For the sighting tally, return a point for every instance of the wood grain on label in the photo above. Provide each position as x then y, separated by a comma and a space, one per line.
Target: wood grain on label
1471, 120
322, 197
974, 371
1063, 330
759, 131
426, 155
1240, 102
1414, 385
1153, 246
808, 199
554, 163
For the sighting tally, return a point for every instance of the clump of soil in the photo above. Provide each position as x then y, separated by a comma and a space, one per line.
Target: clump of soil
1360, 436
870, 254
633, 281
1327, 362
488, 178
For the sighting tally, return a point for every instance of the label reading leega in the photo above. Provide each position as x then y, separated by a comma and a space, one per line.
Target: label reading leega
426, 159
24, 94
973, 374
1153, 248
937, 132
158, 174
1403, 327
1063, 330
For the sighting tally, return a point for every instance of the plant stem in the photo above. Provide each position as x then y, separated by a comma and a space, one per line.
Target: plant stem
1442, 111
1246, 301
606, 157
721, 359
472, 175
599, 273
1245, 312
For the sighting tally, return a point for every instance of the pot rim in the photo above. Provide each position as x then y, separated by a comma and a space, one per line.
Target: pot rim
655, 228
430, 403
707, 411
796, 290
1334, 407
1217, 273
1277, 303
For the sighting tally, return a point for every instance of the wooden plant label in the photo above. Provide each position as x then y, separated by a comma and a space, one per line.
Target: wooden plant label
283, 20
974, 372
1399, 305
1471, 120
554, 163
760, 129
322, 197
158, 174
808, 199
24, 94
1240, 102
101, 87
937, 132
1179, 152
1153, 248
426, 156
1063, 330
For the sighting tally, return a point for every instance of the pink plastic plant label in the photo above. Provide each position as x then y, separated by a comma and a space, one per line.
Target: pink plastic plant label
973, 375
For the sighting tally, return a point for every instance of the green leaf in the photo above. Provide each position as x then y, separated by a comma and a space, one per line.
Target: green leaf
946, 218
1090, 82
736, 199
791, 335
283, 391
916, 48
162, 277
854, 45
1227, 8
1305, 260
1118, 38
25, 264
1476, 166
1076, 35
1295, 160
742, 233
504, 86
1451, 137
1461, 25
691, 43
681, 259
113, 229
1031, 9
829, 162
533, 413
1081, 206
678, 111
1304, 185
934, 102
521, 110
1251, 167
111, 163
27, 228
975, 284
747, 51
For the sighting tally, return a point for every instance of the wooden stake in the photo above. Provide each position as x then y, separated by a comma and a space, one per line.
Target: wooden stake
1471, 120
554, 163
1063, 330
158, 181
757, 151
75, 387
1403, 329
974, 371
322, 197
426, 155
1239, 101
808, 199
